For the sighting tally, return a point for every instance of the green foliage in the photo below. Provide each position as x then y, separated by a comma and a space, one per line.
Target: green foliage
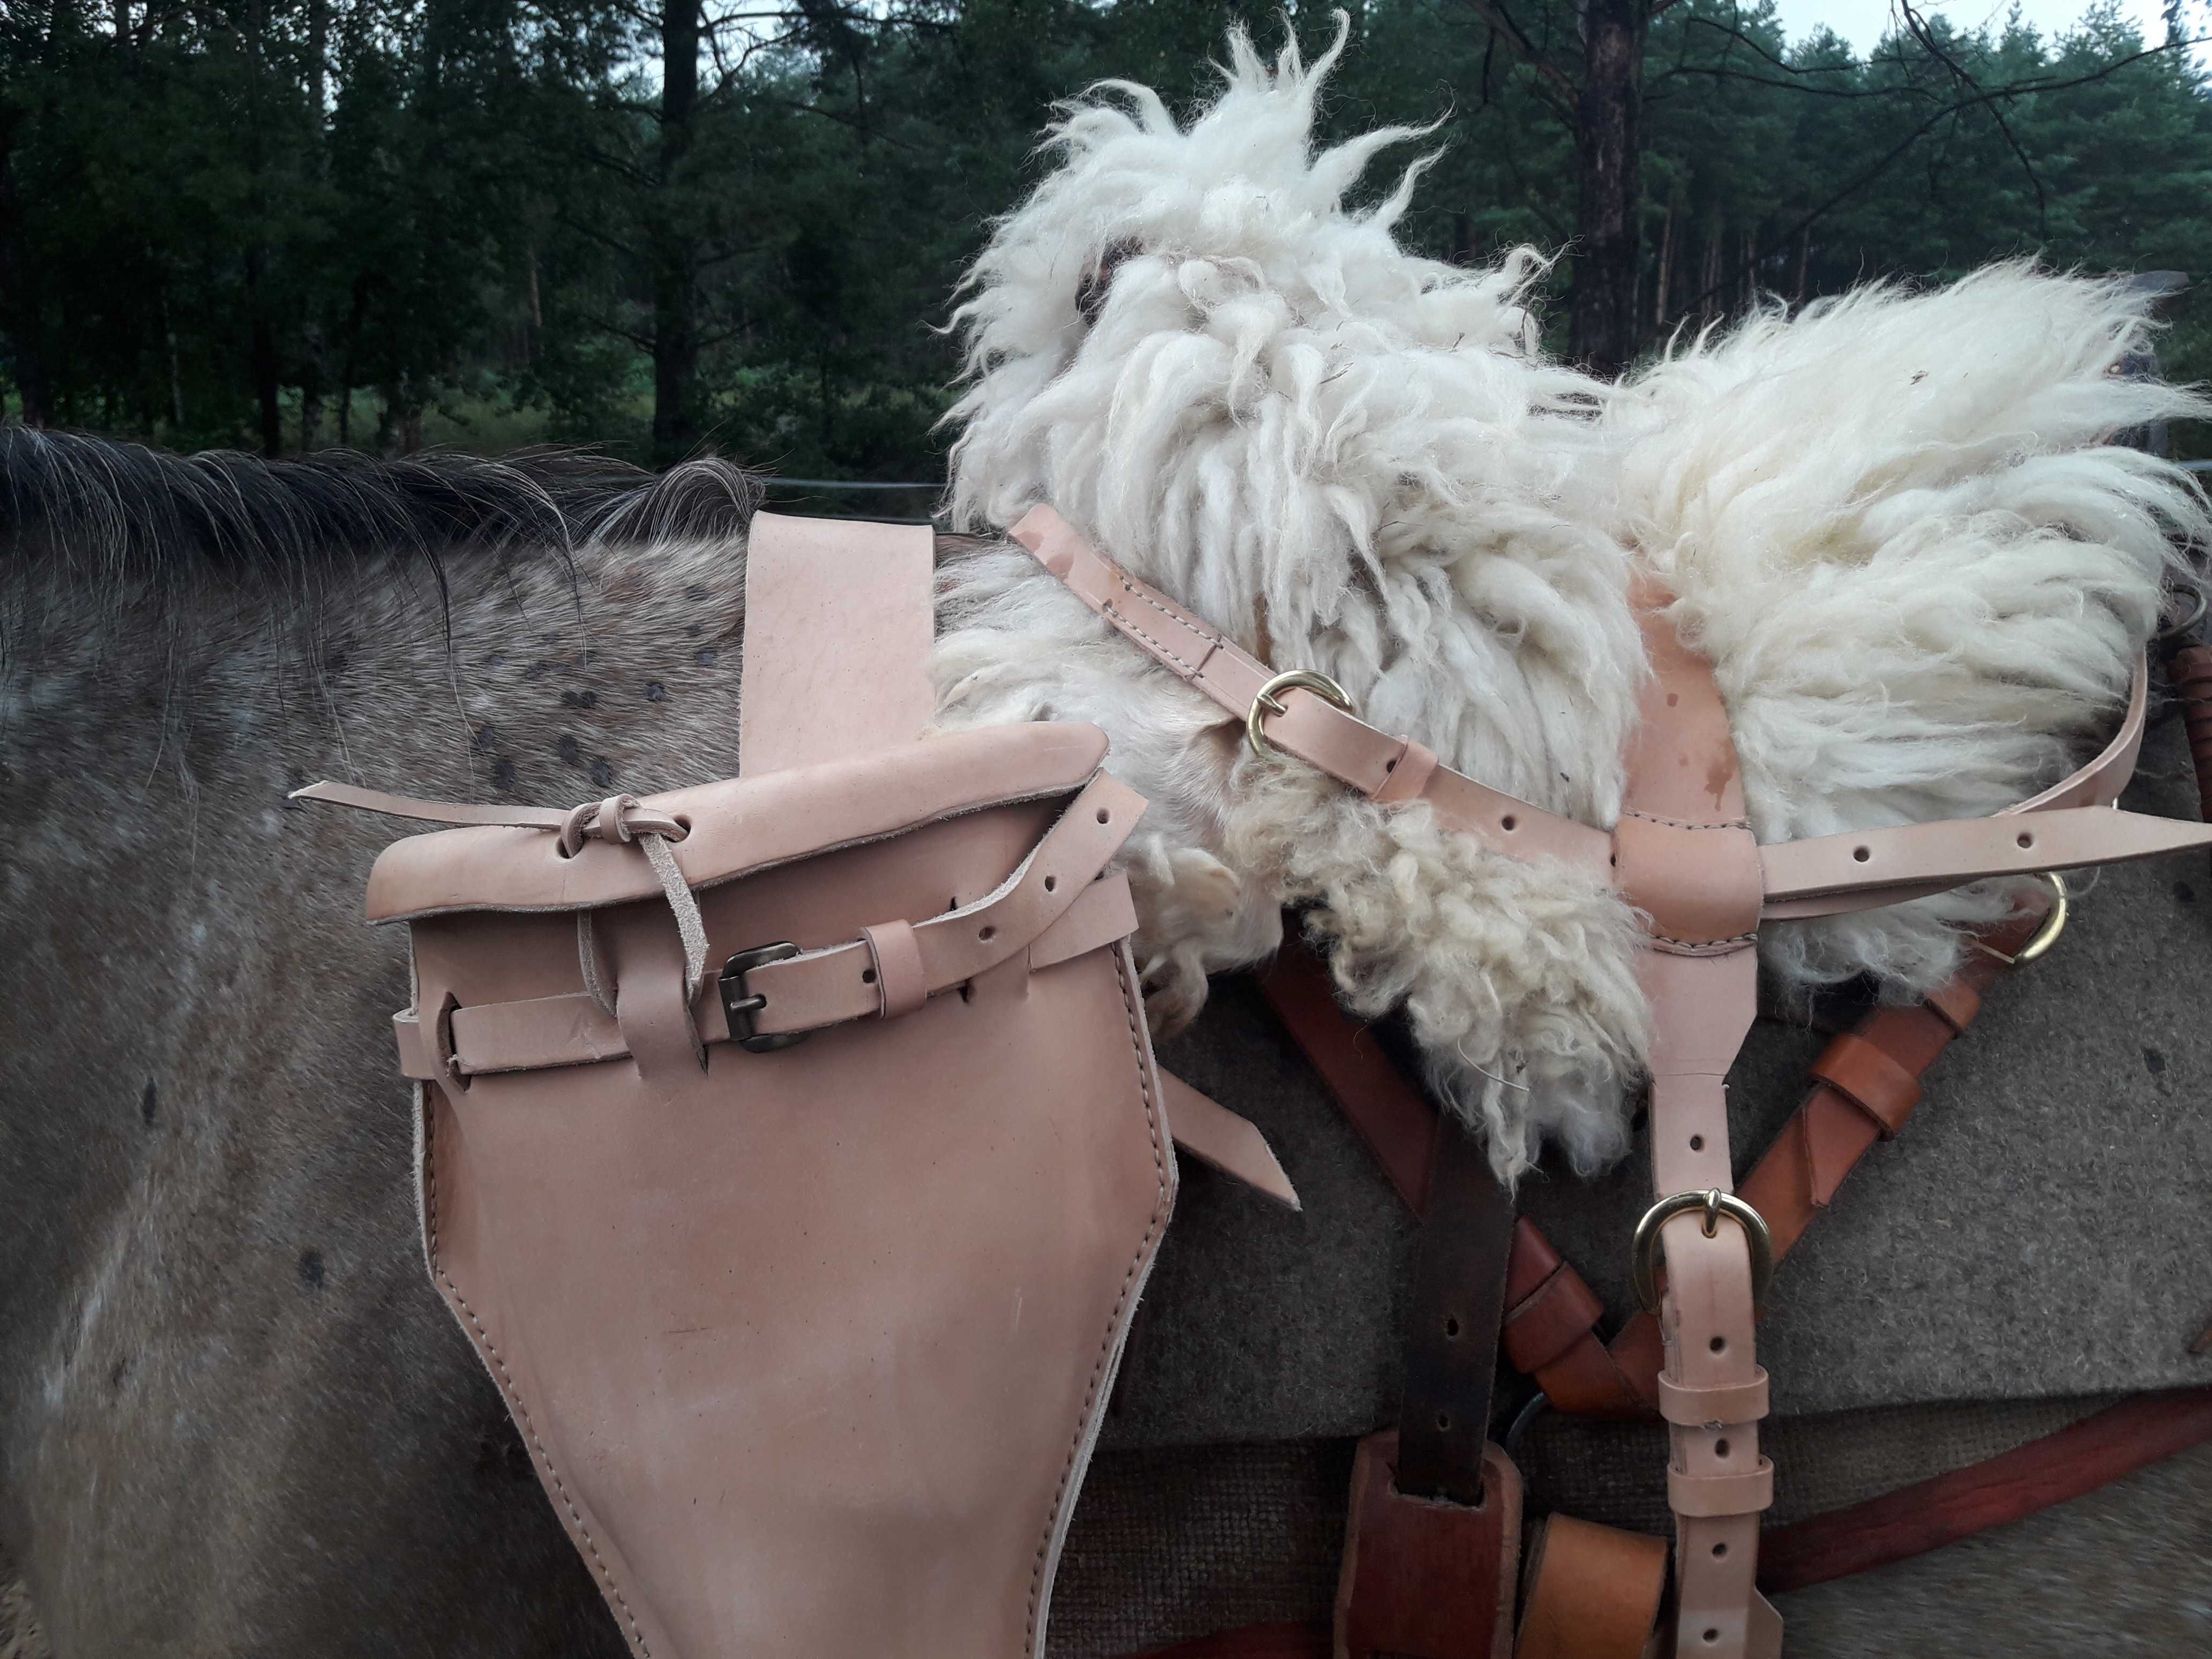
491, 222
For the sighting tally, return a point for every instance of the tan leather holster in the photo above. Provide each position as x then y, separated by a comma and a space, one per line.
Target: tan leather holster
805, 1277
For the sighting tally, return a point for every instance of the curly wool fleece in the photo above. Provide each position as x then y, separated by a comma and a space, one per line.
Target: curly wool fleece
1896, 523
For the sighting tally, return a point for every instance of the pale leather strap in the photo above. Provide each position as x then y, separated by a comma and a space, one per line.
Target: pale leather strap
1220, 1139
1824, 876
838, 626
1696, 871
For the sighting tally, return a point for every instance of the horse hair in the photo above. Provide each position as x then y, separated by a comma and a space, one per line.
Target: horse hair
118, 513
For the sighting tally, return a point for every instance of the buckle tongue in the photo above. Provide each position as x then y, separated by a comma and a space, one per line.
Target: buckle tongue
740, 1006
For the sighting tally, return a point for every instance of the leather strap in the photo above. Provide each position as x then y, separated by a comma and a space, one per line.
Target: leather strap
1316, 731
1590, 1592
2055, 1469
1879, 1064
1220, 1139
1451, 1323
1824, 876
838, 623
1426, 1580
2191, 670
1699, 881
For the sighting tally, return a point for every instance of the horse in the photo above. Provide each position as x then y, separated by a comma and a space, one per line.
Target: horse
235, 1418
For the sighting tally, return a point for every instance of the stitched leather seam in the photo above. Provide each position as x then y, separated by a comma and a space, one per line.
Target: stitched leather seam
1211, 640
1706, 944
1681, 824
506, 1379
1121, 617
1130, 1007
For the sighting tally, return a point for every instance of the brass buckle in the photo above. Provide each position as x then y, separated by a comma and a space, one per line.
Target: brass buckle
740, 1004
2054, 924
1643, 1261
1265, 702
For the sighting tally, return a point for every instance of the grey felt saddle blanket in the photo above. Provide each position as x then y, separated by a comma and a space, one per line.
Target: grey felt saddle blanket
2039, 1228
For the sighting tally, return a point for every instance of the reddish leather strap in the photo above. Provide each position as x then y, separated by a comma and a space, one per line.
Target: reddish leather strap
1912, 1520
2191, 671
1423, 1579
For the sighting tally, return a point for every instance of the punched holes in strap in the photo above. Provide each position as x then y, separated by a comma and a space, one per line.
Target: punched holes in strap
900, 976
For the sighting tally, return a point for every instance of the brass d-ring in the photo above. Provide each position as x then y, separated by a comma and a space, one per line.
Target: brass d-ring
2054, 924
1265, 702
1643, 1261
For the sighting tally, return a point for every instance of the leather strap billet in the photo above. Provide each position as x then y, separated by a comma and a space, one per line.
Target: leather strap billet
1694, 869
838, 627
1825, 875
1450, 1343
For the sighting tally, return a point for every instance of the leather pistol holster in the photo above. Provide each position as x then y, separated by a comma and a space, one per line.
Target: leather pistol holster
805, 1277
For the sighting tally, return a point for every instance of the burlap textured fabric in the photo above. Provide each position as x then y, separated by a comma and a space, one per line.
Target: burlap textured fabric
1171, 1545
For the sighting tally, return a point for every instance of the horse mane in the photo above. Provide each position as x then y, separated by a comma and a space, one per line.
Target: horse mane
112, 512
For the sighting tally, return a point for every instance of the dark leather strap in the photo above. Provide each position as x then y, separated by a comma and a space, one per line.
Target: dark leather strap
1451, 1329
2191, 670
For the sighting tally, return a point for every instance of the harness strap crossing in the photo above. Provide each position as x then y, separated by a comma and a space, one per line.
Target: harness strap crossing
1824, 875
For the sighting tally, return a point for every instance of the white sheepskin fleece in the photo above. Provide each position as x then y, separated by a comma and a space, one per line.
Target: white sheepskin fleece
1897, 524
1921, 568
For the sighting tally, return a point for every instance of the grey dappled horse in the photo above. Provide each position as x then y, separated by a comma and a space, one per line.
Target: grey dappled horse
235, 1419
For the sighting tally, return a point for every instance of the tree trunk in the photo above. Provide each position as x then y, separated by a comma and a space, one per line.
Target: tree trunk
263, 355
1601, 334
20, 312
1666, 265
674, 319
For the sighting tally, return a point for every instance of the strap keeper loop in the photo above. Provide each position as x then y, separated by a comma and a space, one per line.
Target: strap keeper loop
1696, 1408
1703, 1497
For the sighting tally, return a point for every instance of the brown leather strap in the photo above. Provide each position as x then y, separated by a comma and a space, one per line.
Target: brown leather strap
1451, 1325
1590, 1592
1912, 1520
838, 623
1397, 1120
1424, 1580
2191, 671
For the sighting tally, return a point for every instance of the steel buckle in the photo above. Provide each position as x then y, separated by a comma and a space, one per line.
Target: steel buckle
1265, 702
740, 1004
2054, 924
1643, 1261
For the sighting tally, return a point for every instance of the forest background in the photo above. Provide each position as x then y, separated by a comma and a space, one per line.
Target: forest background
659, 225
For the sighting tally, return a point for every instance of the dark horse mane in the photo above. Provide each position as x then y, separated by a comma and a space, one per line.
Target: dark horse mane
116, 512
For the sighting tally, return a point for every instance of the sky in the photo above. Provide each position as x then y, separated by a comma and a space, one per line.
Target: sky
1863, 22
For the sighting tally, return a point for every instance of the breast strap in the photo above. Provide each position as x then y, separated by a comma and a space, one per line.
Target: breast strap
2076, 823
